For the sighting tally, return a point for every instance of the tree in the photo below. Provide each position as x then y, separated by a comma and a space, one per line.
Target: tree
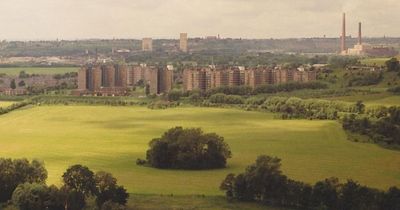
393, 65
360, 107
391, 200
21, 83
325, 193
73, 200
188, 149
37, 197
81, 179
13, 85
147, 89
108, 190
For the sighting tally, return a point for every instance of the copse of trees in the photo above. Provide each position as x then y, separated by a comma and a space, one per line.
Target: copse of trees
364, 78
382, 128
289, 87
221, 98
23, 183
190, 148
268, 88
19, 171
90, 100
395, 90
81, 182
264, 182
342, 61
307, 108
393, 65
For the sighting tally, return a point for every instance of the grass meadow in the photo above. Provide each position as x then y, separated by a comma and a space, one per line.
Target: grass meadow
38, 70
112, 138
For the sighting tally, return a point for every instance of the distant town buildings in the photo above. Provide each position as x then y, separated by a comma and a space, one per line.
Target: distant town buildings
183, 42
115, 79
207, 78
147, 44
363, 49
33, 83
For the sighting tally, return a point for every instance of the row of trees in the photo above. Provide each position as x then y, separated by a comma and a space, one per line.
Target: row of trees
383, 126
190, 148
264, 182
23, 183
176, 95
395, 90
309, 108
364, 78
90, 100
18, 105
284, 87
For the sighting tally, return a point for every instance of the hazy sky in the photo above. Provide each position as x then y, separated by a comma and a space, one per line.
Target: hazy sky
78, 19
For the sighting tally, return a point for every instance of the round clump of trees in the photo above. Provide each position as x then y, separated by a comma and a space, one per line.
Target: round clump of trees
190, 148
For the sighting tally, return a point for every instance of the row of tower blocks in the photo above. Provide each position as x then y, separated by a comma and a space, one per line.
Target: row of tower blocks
115, 79
208, 78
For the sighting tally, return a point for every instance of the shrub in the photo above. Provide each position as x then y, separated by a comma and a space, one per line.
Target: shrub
221, 98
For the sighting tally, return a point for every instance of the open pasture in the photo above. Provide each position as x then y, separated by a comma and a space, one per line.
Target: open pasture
112, 138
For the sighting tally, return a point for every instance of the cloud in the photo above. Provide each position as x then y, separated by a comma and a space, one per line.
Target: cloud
72, 19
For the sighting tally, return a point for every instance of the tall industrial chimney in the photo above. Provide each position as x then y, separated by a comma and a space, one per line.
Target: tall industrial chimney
344, 33
359, 34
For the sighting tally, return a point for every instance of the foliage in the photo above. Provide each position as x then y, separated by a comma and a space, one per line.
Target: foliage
180, 148
364, 78
13, 85
81, 179
221, 98
342, 61
21, 83
174, 95
264, 182
284, 87
19, 171
34, 196
14, 106
384, 129
393, 65
108, 190
288, 87
162, 105
306, 108
89, 100
395, 90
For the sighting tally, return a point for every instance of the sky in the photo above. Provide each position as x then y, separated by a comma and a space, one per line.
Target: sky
83, 19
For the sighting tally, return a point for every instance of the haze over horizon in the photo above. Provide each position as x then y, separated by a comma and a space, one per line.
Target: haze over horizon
83, 19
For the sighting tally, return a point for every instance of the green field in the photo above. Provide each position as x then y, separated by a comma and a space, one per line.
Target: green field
38, 70
374, 61
4, 104
112, 138
384, 99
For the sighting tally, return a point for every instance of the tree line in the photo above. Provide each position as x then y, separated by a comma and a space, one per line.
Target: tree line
382, 125
264, 182
22, 183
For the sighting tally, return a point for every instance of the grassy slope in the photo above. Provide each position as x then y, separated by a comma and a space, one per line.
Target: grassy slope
112, 138
374, 61
38, 70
